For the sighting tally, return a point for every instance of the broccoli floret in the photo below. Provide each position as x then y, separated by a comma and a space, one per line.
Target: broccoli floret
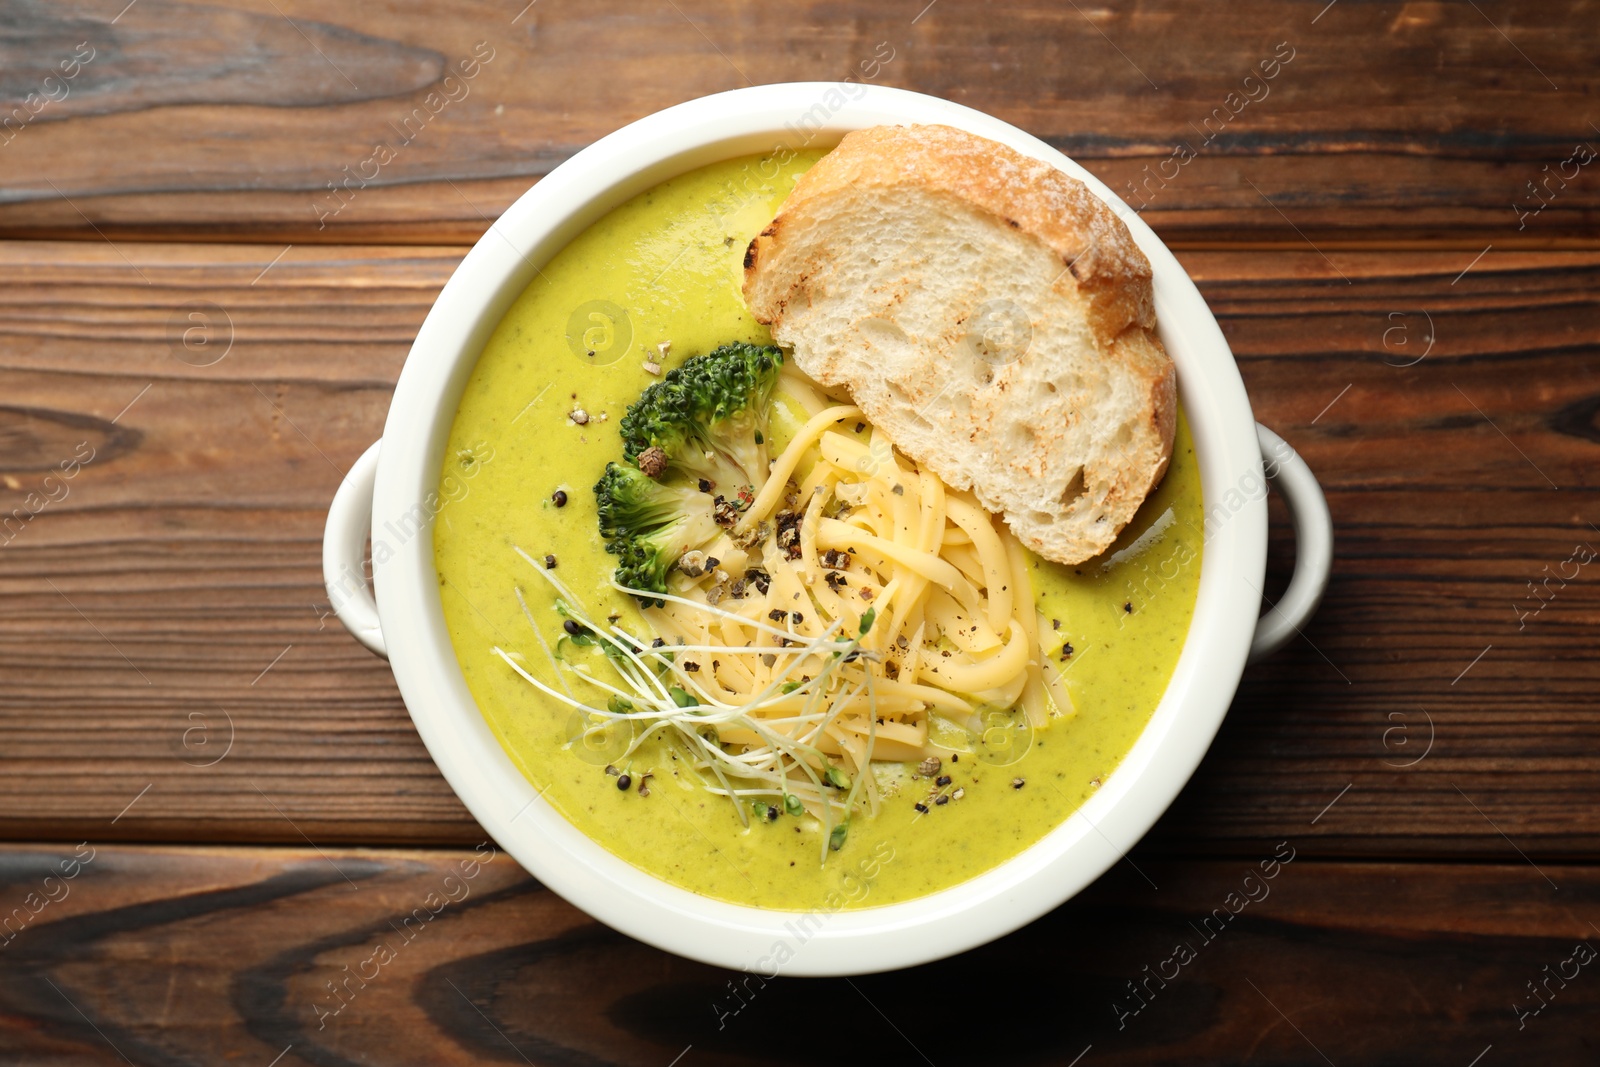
643, 563
709, 416
650, 524
704, 425
632, 503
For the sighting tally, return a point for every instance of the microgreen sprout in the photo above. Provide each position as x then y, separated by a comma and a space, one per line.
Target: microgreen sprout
785, 765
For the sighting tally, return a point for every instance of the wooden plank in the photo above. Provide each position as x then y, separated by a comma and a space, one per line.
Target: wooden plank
1429, 121
1440, 462
182, 956
175, 589
191, 543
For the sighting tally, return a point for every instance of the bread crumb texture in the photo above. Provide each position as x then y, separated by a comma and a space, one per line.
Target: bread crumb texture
990, 313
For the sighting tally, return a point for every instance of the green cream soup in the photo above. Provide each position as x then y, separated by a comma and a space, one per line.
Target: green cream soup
666, 267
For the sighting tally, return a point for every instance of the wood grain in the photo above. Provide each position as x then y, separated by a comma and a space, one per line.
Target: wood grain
198, 336
1441, 478
185, 956
216, 515
230, 120
172, 599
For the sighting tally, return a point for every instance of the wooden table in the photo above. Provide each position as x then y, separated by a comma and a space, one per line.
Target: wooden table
1400, 242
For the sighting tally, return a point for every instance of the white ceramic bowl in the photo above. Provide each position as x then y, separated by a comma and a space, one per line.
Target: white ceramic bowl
393, 481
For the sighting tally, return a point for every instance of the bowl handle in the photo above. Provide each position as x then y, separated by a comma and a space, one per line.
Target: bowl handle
344, 542
1313, 535
350, 522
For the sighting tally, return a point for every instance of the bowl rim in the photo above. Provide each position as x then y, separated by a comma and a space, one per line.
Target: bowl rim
821, 942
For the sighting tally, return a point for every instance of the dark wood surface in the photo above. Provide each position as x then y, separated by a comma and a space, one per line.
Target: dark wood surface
193, 955
174, 692
145, 605
1415, 121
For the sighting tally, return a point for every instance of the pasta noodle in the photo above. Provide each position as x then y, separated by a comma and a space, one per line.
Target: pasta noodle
852, 613
864, 544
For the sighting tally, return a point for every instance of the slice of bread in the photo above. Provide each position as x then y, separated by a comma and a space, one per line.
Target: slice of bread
990, 313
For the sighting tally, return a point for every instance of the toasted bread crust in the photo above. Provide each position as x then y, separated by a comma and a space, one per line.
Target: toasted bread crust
1104, 276
1094, 246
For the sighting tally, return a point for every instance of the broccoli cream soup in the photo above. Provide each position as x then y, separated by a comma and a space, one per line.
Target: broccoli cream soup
834, 682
